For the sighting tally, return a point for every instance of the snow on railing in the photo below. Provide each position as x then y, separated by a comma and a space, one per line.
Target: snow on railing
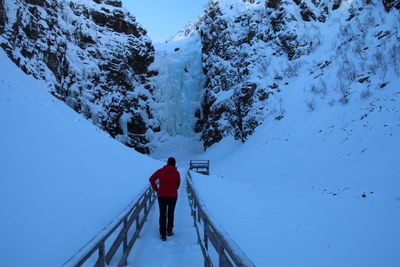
123, 223
229, 253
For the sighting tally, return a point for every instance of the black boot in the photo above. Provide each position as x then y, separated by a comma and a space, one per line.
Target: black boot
164, 238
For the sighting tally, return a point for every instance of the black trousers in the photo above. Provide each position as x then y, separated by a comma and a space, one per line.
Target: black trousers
167, 206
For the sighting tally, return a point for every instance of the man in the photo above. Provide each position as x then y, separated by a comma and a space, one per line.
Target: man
167, 190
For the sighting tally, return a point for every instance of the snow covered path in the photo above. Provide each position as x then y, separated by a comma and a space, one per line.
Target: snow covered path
179, 250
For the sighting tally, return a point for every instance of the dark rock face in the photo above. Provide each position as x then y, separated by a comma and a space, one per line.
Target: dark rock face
305, 11
272, 4
336, 4
228, 63
389, 4
3, 20
251, 51
219, 47
116, 3
94, 58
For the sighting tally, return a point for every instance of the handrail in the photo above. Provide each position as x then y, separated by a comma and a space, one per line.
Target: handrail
98, 243
229, 253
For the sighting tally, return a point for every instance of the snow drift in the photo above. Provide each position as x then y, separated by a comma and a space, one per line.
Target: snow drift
62, 179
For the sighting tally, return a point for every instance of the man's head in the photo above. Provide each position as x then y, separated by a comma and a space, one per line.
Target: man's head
171, 161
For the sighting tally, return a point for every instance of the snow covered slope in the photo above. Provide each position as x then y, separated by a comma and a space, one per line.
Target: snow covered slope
253, 51
316, 96
312, 87
93, 55
61, 178
317, 188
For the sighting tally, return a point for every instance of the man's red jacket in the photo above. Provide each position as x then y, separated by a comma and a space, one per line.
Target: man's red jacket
169, 181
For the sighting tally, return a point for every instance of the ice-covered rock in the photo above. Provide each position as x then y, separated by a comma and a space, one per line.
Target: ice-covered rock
389, 4
93, 55
255, 50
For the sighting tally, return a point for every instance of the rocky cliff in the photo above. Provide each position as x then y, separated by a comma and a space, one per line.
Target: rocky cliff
2, 17
93, 55
237, 60
254, 50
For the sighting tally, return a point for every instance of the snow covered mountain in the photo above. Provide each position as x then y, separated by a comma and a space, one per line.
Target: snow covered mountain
223, 75
92, 54
254, 50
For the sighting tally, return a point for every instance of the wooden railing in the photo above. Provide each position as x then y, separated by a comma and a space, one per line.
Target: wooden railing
227, 251
201, 166
137, 212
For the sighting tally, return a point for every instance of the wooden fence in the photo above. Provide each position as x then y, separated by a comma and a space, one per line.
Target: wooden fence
228, 252
201, 166
136, 212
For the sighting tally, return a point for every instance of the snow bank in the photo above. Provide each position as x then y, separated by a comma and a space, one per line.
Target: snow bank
317, 188
62, 179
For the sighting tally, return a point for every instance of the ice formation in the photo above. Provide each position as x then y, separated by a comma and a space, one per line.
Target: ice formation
179, 84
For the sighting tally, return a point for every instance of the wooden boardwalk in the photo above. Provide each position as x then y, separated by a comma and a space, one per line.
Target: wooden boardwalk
198, 241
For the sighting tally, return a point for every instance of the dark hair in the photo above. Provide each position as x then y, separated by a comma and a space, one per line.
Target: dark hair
171, 161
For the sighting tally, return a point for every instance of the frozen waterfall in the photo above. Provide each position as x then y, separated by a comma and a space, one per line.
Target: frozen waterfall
179, 84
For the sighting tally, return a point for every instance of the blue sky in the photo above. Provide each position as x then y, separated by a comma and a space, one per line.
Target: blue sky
164, 18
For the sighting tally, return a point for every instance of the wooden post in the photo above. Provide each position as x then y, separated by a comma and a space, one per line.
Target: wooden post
198, 215
101, 260
223, 259
194, 217
125, 241
205, 240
